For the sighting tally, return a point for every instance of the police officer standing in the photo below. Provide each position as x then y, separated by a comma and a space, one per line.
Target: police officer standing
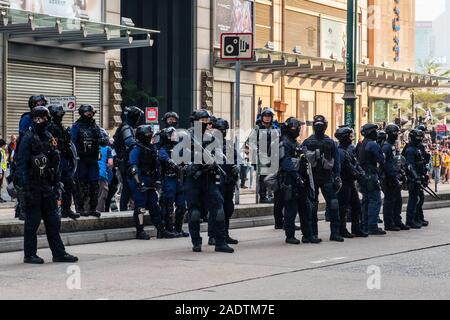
371, 158
392, 184
203, 181
68, 159
348, 196
144, 181
87, 137
124, 142
173, 200
229, 180
322, 153
416, 164
295, 186
427, 156
38, 177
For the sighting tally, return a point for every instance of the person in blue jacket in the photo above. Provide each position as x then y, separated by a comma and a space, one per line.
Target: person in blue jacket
144, 181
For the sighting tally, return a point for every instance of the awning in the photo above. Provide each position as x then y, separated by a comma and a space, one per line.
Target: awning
295, 65
68, 33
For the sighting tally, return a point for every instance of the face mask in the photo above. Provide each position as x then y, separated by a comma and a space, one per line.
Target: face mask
320, 129
39, 127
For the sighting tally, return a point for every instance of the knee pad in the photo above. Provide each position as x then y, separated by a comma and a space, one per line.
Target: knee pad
220, 217
334, 204
196, 215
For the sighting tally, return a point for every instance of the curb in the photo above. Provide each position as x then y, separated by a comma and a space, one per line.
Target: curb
111, 235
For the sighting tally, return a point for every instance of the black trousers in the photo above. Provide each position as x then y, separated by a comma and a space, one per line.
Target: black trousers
392, 207
42, 207
278, 209
349, 205
300, 205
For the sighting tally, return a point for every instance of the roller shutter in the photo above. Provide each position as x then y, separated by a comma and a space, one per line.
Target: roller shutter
25, 80
88, 89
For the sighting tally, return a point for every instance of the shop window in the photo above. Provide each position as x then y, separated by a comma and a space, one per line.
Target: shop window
290, 97
263, 23
302, 30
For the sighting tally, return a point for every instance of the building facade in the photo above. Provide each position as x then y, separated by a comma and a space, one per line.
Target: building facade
313, 34
63, 50
441, 26
425, 42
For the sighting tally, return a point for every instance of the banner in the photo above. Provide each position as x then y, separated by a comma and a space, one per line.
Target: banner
232, 16
61, 8
333, 39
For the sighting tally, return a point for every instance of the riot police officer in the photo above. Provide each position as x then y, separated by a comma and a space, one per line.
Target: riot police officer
264, 128
38, 176
322, 152
68, 159
144, 181
25, 124
172, 184
427, 156
203, 181
229, 180
87, 138
392, 184
416, 166
381, 137
351, 173
124, 141
171, 119
295, 184
371, 158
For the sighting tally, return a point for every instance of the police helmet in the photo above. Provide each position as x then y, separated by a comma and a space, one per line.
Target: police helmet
56, 111
200, 114
35, 101
144, 134
170, 115
292, 126
416, 136
222, 125
422, 128
268, 113
169, 136
392, 129
369, 130
320, 123
84, 108
134, 116
40, 112
345, 134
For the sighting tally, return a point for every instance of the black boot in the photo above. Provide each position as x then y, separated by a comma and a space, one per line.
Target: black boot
360, 234
211, 241
179, 227
33, 260
225, 248
312, 240
230, 240
346, 234
403, 227
292, 240
197, 248
162, 233
93, 199
70, 214
392, 228
67, 258
336, 238
142, 235
413, 225
375, 231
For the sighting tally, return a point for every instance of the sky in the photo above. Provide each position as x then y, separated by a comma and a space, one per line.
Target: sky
429, 9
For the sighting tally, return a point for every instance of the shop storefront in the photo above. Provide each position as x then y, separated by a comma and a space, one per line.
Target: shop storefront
61, 50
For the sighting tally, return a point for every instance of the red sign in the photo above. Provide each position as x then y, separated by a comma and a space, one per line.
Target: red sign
442, 128
151, 114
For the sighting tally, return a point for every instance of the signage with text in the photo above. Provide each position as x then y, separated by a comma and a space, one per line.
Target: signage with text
151, 115
68, 103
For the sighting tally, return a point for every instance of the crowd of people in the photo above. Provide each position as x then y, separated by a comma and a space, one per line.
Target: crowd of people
52, 166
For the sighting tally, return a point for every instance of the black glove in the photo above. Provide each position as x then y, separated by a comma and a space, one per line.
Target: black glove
141, 187
337, 184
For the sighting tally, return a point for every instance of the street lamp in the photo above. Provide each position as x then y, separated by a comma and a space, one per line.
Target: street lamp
351, 63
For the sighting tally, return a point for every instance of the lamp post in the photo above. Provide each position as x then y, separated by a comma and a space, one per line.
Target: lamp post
351, 63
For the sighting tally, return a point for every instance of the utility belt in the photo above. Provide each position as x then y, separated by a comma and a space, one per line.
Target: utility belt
372, 181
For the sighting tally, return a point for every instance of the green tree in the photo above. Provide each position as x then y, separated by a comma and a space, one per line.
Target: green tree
133, 95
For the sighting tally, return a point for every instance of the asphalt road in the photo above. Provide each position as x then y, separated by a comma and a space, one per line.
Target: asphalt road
406, 265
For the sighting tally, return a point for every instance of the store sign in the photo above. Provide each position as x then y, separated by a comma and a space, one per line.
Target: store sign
69, 103
61, 8
333, 39
151, 115
232, 16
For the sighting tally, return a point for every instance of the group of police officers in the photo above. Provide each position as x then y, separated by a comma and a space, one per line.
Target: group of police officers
54, 163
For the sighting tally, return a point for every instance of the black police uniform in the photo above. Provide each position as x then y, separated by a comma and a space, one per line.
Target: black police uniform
294, 185
68, 159
348, 196
38, 176
392, 182
124, 142
323, 154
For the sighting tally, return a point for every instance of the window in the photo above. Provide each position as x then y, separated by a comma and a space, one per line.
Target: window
306, 110
222, 100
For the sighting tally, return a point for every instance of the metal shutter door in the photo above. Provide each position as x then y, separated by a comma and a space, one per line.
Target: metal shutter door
88, 89
25, 80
